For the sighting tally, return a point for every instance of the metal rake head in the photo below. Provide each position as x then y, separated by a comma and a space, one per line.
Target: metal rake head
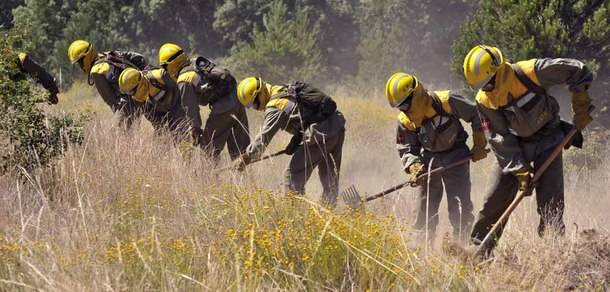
351, 197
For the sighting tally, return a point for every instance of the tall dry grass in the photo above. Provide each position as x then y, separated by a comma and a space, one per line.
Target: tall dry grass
129, 211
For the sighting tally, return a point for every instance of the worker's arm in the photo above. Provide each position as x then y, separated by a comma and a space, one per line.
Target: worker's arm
108, 94
275, 119
29, 66
561, 71
577, 76
408, 146
465, 110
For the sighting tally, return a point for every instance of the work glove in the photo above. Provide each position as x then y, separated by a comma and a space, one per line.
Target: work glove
240, 163
197, 134
295, 142
53, 96
524, 177
479, 144
581, 104
415, 170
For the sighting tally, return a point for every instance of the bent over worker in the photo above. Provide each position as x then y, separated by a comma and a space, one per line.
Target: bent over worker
430, 135
103, 71
160, 94
525, 129
27, 65
318, 130
201, 82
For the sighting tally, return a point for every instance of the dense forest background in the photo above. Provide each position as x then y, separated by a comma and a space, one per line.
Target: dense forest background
357, 43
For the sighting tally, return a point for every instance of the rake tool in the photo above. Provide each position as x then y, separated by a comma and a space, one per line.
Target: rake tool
567, 139
352, 197
257, 160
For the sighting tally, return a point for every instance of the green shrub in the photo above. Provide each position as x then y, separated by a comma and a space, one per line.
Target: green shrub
28, 137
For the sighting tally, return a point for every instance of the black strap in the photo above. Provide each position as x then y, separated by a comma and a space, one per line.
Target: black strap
531, 85
156, 83
437, 104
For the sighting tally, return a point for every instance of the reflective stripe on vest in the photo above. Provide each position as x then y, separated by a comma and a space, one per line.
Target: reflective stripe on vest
522, 101
158, 96
284, 104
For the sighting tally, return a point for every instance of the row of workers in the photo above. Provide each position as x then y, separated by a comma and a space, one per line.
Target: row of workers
513, 114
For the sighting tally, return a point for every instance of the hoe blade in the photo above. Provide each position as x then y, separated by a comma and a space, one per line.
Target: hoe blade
352, 198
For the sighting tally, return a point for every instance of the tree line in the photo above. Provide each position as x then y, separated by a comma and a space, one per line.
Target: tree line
356, 42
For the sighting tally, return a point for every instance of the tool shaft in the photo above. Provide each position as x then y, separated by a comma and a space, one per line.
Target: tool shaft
404, 184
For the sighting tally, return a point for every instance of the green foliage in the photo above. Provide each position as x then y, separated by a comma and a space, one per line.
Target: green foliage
28, 138
338, 34
290, 236
348, 37
532, 29
285, 49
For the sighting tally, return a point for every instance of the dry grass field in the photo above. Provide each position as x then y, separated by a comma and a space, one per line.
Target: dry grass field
132, 212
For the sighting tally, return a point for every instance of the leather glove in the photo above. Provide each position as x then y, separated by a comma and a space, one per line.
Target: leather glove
414, 171
581, 104
295, 142
240, 163
53, 96
479, 144
197, 134
524, 177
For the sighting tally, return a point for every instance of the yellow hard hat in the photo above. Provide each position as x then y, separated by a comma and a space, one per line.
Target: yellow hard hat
481, 64
248, 91
400, 87
78, 50
173, 58
132, 82
81, 52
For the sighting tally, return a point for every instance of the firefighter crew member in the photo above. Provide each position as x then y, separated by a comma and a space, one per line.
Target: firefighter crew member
160, 94
318, 130
203, 83
103, 71
524, 129
430, 135
28, 66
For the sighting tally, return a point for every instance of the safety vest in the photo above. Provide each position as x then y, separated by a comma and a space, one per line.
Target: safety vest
526, 106
439, 130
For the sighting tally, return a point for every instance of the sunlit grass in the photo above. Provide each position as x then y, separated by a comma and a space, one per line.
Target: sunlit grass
130, 211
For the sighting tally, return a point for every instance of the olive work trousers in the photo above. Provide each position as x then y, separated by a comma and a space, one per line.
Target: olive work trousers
326, 156
229, 128
456, 183
504, 188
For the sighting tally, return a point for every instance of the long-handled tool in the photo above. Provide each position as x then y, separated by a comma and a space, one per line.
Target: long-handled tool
257, 160
352, 197
567, 139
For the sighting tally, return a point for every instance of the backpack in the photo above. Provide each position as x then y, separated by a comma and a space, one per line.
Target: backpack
313, 104
119, 60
